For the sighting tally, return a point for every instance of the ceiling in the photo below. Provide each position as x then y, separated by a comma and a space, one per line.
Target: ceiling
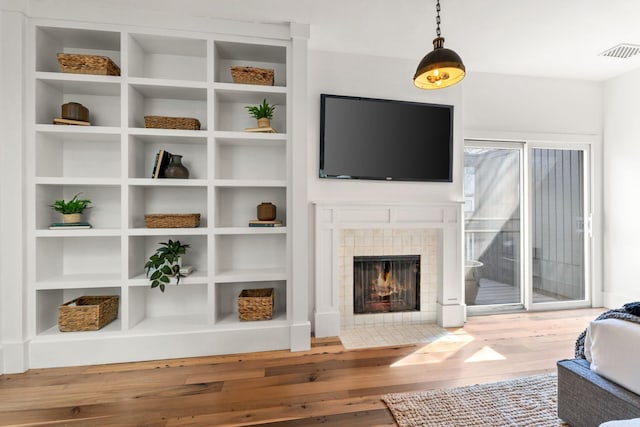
550, 38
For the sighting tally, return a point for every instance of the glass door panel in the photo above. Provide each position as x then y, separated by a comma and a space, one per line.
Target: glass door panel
558, 240
493, 239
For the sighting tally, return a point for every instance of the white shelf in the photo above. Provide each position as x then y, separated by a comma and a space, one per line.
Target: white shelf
198, 277
195, 231
277, 320
95, 182
250, 183
250, 94
79, 80
81, 232
167, 182
249, 230
231, 171
181, 135
255, 275
171, 324
81, 281
54, 334
78, 131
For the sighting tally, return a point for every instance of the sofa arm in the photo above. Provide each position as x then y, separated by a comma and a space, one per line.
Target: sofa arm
587, 399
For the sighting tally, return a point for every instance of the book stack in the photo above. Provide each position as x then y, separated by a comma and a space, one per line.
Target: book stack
162, 161
63, 121
69, 226
258, 223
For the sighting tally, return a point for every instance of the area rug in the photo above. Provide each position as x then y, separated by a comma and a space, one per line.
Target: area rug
528, 401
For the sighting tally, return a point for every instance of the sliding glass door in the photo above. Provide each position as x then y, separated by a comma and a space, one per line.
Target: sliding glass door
525, 236
493, 224
558, 225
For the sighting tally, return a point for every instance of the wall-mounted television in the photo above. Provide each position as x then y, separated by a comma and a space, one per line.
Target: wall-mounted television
366, 138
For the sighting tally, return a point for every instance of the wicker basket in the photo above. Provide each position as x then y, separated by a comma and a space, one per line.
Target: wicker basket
87, 64
172, 220
255, 304
163, 122
90, 313
252, 75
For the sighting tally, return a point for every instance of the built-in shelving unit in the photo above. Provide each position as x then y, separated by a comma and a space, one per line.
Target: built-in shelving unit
110, 163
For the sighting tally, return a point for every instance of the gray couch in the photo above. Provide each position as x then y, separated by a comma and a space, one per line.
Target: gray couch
587, 399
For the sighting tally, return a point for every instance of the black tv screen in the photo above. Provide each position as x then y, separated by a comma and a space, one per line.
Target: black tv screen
365, 138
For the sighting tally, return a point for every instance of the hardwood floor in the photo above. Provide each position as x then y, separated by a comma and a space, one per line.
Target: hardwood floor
327, 385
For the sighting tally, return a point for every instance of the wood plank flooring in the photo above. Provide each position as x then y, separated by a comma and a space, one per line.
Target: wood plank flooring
327, 385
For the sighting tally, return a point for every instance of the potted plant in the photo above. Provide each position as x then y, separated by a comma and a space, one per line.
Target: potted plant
262, 112
72, 210
165, 263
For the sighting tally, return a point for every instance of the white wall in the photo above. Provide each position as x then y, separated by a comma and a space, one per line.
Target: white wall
529, 105
621, 195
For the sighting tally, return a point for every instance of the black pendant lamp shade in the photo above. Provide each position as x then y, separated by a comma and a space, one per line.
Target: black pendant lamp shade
441, 67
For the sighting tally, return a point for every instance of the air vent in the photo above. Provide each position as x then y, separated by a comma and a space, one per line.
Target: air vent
622, 51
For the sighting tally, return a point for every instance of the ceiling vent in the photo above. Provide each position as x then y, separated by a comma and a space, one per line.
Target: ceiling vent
622, 51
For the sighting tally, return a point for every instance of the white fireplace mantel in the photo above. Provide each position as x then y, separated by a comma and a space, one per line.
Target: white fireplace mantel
331, 219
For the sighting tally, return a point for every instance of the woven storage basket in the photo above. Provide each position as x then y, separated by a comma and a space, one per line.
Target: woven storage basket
89, 313
252, 75
255, 304
87, 64
163, 122
172, 220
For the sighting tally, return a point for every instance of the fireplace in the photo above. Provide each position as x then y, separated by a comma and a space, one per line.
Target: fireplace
385, 284
348, 230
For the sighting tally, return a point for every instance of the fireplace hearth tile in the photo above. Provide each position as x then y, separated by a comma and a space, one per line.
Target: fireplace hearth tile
389, 335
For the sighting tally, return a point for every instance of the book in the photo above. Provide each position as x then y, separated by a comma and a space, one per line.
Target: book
258, 223
68, 226
161, 164
155, 165
264, 130
61, 121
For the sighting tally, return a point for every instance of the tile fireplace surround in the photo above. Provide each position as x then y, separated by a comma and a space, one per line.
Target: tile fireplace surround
345, 230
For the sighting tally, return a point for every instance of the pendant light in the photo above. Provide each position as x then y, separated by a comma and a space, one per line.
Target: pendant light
441, 67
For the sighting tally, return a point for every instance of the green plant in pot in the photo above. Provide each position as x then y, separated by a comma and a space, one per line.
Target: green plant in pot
262, 112
72, 210
165, 263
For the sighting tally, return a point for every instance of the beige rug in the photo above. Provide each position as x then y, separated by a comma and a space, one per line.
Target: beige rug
529, 401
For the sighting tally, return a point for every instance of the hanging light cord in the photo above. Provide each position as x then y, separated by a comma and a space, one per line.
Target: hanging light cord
438, 17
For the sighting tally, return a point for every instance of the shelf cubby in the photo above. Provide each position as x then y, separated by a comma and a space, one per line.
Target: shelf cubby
100, 97
69, 259
53, 40
231, 115
228, 54
247, 252
142, 151
169, 100
165, 57
142, 247
74, 153
171, 198
178, 308
48, 301
236, 206
103, 212
251, 158
227, 300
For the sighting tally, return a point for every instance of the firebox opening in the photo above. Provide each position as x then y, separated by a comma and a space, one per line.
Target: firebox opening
383, 284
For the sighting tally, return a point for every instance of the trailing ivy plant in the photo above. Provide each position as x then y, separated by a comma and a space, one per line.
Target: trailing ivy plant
163, 264
261, 111
74, 205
